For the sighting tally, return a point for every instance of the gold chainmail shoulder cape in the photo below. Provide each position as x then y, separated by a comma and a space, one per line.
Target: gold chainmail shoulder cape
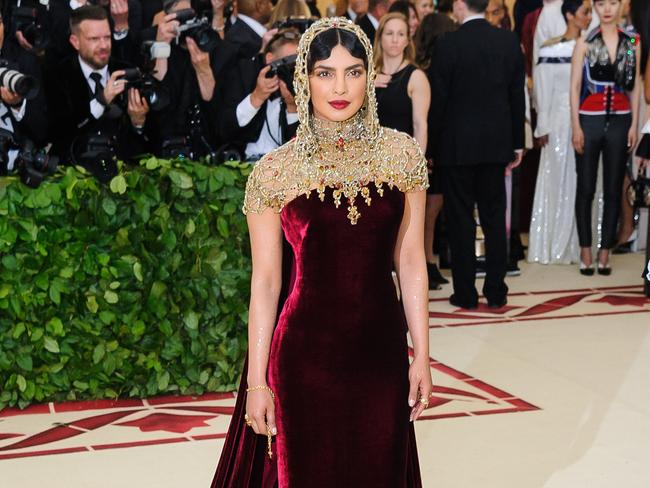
345, 156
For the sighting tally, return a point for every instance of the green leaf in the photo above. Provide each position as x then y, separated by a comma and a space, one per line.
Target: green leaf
109, 205
163, 381
98, 353
222, 227
138, 328
19, 329
111, 297
118, 184
181, 179
66, 272
157, 289
137, 271
191, 320
36, 334
5, 288
91, 303
51, 345
151, 163
10, 262
114, 285
25, 362
20, 381
55, 294
55, 327
190, 227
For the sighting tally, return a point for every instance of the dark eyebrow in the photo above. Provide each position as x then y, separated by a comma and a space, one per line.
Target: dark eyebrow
329, 68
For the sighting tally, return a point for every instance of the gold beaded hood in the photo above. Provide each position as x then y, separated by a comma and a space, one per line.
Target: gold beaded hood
344, 156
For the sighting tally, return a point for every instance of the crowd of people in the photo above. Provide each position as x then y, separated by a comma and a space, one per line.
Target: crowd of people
91, 82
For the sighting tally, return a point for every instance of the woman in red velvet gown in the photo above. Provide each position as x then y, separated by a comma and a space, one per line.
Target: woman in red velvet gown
328, 388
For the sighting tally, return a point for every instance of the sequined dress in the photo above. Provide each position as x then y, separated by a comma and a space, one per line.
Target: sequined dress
339, 358
553, 236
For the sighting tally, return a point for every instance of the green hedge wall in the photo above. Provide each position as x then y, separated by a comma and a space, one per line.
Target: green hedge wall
135, 290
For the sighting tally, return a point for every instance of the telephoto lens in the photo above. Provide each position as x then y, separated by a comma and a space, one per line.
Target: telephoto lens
24, 85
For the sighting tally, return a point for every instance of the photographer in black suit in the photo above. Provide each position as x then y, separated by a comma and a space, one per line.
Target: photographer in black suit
476, 125
245, 36
93, 117
125, 18
23, 122
188, 126
19, 116
260, 113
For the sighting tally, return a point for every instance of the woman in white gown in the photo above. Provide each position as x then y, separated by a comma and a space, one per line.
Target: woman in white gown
553, 236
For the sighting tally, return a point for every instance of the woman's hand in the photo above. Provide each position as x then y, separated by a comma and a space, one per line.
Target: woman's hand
261, 411
632, 137
578, 140
420, 386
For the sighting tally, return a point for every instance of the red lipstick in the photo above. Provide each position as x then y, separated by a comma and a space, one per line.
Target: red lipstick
339, 104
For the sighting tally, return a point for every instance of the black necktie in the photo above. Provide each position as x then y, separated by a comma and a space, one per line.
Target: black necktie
99, 88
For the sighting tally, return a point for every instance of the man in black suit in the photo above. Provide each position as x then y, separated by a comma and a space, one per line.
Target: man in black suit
125, 17
356, 9
370, 22
188, 125
260, 114
476, 125
245, 36
88, 102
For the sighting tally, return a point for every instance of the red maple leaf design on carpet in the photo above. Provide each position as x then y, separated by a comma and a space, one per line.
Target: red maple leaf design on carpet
168, 422
9, 436
622, 300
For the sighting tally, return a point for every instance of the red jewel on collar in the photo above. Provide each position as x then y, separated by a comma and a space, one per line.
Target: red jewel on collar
340, 144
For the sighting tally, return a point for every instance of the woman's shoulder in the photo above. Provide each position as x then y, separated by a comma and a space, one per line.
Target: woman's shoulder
270, 179
402, 161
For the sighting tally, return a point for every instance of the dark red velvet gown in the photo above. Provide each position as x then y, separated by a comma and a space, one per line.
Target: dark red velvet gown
338, 362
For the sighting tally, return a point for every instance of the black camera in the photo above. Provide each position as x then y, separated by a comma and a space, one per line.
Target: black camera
144, 80
299, 23
198, 28
31, 21
284, 69
32, 163
96, 153
24, 85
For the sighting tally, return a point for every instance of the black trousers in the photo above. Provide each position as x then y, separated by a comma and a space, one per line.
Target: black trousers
606, 135
463, 187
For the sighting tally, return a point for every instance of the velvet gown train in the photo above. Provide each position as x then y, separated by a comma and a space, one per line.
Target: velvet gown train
338, 362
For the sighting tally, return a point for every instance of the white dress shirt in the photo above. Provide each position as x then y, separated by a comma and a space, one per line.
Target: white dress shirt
96, 108
271, 134
473, 17
352, 14
373, 21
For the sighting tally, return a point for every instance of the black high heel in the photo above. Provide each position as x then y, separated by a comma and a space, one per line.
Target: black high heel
586, 270
604, 269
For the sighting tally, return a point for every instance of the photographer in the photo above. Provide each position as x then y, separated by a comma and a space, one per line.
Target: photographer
93, 119
187, 127
125, 18
263, 116
26, 119
246, 35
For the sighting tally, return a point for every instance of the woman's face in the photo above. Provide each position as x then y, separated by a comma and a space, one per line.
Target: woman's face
424, 7
582, 18
609, 11
338, 86
414, 22
394, 38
